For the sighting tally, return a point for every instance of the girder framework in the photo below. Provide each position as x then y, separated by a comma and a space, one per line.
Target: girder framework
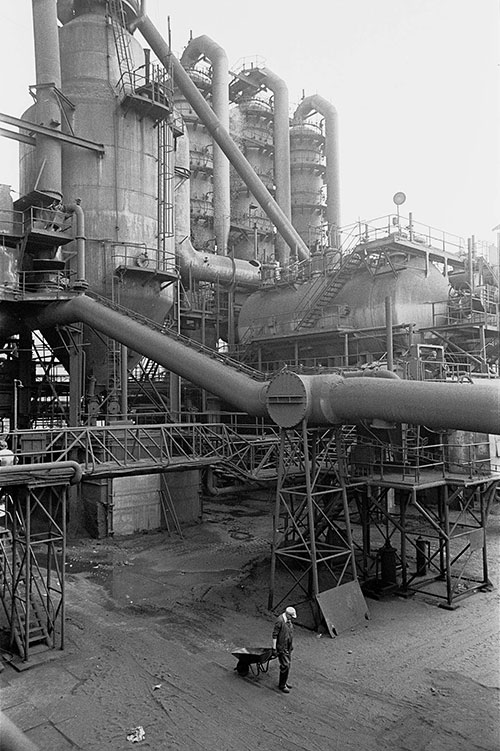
32, 560
312, 539
437, 534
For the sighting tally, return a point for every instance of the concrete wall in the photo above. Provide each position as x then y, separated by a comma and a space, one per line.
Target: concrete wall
127, 505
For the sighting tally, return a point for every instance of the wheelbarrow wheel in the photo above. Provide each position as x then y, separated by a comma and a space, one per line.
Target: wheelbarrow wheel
242, 668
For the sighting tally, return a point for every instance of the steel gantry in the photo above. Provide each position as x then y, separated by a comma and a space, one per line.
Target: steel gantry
434, 536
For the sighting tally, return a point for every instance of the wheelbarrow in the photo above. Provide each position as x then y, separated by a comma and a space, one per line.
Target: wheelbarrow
253, 659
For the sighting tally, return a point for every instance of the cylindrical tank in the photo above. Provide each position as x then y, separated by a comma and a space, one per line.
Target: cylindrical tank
118, 192
252, 234
307, 183
361, 302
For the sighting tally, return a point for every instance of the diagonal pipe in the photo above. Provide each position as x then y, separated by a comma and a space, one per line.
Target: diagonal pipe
223, 139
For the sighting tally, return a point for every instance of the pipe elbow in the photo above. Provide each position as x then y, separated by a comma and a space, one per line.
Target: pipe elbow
203, 45
274, 82
313, 103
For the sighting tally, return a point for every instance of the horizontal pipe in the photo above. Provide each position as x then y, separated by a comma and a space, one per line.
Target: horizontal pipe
223, 139
209, 267
333, 400
21, 470
290, 398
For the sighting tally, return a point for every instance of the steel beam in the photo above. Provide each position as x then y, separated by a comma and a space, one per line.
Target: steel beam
43, 131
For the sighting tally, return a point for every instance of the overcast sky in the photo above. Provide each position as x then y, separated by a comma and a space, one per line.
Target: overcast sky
415, 84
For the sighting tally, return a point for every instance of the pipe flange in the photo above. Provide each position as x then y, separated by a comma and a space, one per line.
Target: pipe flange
288, 400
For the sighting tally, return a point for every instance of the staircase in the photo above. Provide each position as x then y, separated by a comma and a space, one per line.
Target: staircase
327, 289
23, 611
171, 333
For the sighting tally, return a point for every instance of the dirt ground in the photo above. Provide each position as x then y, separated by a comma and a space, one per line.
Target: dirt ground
151, 622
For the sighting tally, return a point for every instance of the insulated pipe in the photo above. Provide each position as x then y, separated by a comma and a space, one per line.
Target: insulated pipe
203, 45
290, 398
206, 267
316, 103
48, 112
331, 400
222, 137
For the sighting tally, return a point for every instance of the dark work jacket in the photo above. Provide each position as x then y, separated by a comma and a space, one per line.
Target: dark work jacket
283, 633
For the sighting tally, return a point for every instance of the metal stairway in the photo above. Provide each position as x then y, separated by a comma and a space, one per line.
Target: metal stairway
327, 289
170, 332
23, 613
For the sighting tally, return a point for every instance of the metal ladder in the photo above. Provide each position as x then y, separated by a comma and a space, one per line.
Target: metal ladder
118, 22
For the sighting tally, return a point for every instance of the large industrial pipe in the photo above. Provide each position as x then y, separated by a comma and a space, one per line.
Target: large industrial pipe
203, 45
331, 399
222, 137
316, 103
235, 387
48, 112
281, 152
291, 398
206, 267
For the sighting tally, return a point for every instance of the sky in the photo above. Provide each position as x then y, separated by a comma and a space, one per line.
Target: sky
415, 84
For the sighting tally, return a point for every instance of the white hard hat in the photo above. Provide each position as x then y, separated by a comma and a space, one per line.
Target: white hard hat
291, 611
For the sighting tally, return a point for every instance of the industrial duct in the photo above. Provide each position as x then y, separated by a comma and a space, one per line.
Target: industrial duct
291, 398
203, 45
224, 140
316, 103
206, 267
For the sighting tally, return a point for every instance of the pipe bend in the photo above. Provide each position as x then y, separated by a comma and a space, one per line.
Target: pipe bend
202, 45
312, 103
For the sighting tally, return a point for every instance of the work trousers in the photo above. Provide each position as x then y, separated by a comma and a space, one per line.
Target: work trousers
284, 659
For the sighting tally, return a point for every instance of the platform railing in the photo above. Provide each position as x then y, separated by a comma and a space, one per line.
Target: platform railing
124, 445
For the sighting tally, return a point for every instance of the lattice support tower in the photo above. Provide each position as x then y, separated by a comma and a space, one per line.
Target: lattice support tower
312, 540
32, 559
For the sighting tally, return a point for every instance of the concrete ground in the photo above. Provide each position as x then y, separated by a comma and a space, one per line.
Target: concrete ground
151, 623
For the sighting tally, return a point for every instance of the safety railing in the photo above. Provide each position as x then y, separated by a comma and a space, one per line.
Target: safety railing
405, 228
122, 445
386, 461
24, 285
139, 255
338, 317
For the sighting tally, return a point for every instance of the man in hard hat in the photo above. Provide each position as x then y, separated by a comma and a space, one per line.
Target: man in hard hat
283, 645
